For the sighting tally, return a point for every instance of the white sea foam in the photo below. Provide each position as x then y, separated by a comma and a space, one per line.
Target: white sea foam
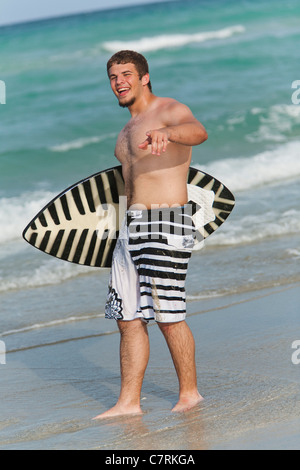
80, 143
51, 272
211, 294
275, 123
293, 253
16, 212
272, 166
53, 323
172, 40
253, 228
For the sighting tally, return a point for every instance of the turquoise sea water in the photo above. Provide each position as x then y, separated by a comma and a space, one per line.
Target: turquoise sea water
232, 62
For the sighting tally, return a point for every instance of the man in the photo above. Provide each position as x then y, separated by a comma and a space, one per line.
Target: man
149, 264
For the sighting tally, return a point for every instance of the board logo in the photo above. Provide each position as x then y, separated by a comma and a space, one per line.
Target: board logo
2, 92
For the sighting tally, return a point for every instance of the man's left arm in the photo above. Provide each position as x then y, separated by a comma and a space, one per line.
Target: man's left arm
181, 128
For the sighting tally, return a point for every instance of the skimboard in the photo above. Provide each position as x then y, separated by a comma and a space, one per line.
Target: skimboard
81, 224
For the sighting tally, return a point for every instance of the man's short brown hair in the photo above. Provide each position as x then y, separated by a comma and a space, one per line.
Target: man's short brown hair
131, 57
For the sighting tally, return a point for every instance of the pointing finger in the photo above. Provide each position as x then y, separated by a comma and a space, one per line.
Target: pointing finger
165, 143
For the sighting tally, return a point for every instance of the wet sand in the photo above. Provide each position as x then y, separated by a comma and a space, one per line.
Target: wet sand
49, 393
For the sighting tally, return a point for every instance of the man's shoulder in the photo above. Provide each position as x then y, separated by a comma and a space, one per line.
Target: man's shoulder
170, 104
166, 101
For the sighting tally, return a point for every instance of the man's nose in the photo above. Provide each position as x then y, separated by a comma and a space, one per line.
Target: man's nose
119, 80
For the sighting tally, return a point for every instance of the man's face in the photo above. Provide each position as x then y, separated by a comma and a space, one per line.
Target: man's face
125, 83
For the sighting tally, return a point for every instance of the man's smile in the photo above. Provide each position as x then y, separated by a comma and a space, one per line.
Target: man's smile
123, 91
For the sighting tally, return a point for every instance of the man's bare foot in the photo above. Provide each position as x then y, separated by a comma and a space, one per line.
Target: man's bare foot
186, 403
119, 410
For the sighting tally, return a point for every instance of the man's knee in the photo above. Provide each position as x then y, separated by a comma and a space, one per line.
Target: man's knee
170, 326
130, 326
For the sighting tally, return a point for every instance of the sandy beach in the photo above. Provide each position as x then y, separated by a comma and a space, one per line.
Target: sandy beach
51, 388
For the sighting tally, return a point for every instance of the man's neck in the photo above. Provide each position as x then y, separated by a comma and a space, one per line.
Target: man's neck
142, 104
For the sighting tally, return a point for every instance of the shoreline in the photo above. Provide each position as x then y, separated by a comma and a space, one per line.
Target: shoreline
194, 307
250, 386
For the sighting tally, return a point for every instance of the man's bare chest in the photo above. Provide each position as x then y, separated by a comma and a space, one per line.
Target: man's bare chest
131, 136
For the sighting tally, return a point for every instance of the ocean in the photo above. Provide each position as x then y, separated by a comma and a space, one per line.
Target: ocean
232, 62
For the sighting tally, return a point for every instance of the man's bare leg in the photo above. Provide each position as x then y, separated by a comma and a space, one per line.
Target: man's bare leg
182, 348
134, 357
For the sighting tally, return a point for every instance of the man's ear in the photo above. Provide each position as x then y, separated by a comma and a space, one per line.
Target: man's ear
145, 79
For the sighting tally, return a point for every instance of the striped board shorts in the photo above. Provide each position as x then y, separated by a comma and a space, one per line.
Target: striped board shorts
150, 264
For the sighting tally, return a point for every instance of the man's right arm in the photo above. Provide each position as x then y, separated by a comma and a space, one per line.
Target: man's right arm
181, 128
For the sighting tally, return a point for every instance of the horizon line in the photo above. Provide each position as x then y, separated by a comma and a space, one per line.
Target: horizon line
84, 12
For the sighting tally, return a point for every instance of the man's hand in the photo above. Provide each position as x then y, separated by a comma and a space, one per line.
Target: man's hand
158, 139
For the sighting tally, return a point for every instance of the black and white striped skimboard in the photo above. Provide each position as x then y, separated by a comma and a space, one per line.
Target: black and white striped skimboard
81, 225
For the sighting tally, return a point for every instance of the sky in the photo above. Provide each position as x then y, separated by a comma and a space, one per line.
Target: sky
16, 11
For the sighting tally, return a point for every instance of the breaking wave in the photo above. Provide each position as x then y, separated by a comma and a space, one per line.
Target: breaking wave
172, 40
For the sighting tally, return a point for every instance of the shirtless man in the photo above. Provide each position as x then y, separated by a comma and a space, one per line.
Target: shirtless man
154, 149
